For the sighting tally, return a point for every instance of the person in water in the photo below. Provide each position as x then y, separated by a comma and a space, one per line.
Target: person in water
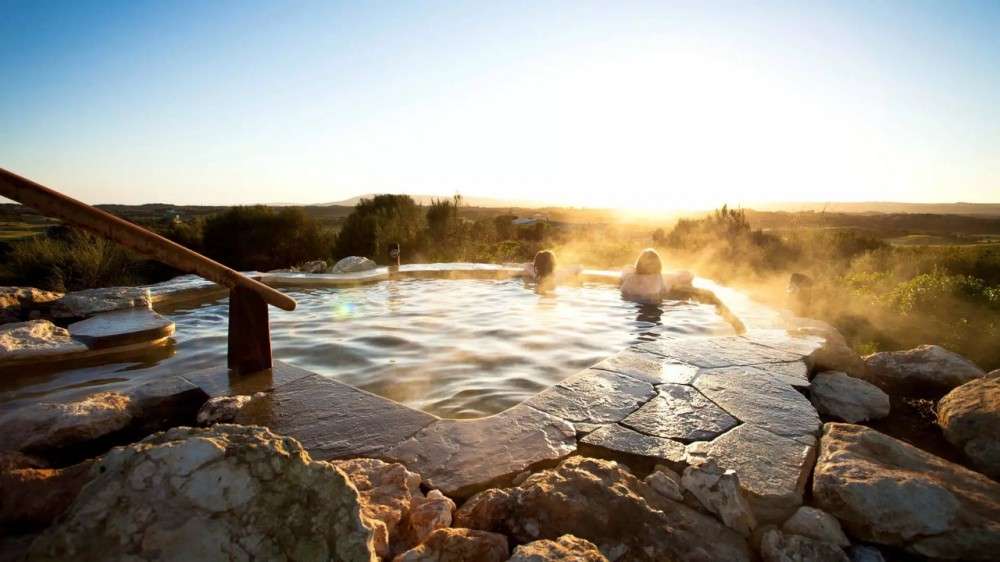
542, 269
646, 283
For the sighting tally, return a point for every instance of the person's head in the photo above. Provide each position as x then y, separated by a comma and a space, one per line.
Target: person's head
544, 264
649, 263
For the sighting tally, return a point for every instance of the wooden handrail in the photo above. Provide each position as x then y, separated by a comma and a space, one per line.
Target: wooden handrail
55, 204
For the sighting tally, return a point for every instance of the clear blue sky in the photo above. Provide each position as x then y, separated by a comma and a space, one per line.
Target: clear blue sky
634, 104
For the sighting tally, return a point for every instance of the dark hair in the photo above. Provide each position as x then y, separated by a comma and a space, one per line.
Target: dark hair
545, 264
649, 262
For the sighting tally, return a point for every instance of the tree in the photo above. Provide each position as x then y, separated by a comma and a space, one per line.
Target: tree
377, 222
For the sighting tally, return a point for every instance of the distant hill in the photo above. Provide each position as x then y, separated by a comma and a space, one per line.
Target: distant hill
990, 209
427, 199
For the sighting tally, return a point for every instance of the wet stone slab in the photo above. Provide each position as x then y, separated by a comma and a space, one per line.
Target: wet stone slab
711, 352
793, 373
680, 412
220, 382
460, 457
763, 401
593, 397
619, 439
648, 367
80, 304
803, 345
123, 327
773, 470
333, 420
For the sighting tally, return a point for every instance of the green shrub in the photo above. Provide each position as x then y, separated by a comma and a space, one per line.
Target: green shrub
263, 238
69, 260
377, 222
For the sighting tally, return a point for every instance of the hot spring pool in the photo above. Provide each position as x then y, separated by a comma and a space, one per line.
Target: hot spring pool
454, 348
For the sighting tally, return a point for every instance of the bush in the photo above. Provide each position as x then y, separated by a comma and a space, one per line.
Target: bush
69, 260
262, 238
377, 222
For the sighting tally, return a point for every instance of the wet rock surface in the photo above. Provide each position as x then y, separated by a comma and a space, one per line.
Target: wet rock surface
970, 418
680, 412
928, 371
458, 545
228, 492
36, 340
602, 502
222, 409
458, 456
648, 367
566, 548
847, 398
710, 352
120, 328
619, 439
885, 491
764, 402
593, 397
52, 425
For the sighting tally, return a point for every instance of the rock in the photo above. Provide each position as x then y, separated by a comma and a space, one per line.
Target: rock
165, 402
13, 460
712, 352
886, 491
765, 402
970, 418
773, 470
852, 400
16, 303
816, 524
47, 426
566, 548
602, 502
836, 355
315, 266
624, 441
666, 482
122, 328
864, 553
36, 339
593, 397
222, 493
429, 514
80, 304
648, 367
719, 492
352, 264
458, 545
387, 492
993, 374
776, 546
680, 412
222, 409
34, 497
928, 371
462, 456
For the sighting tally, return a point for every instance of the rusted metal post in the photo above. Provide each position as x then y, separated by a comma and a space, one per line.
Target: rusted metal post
249, 332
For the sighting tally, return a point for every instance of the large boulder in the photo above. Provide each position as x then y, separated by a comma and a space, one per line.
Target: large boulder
566, 548
885, 491
847, 398
36, 339
80, 304
47, 426
970, 418
18, 303
458, 545
928, 371
816, 524
719, 491
776, 546
353, 264
223, 493
602, 502
835, 354
34, 497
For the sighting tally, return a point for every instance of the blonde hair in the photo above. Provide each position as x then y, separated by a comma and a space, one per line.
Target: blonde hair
648, 262
544, 264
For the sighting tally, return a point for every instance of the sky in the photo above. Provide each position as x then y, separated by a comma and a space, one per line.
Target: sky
635, 105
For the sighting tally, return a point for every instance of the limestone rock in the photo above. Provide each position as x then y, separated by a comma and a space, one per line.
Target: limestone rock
623, 440
47, 425
602, 502
36, 339
566, 548
223, 493
762, 401
995, 374
864, 553
719, 492
680, 412
885, 491
666, 482
222, 409
816, 524
165, 402
927, 371
461, 456
36, 496
850, 399
315, 266
594, 397
970, 418
458, 545
16, 303
836, 355
80, 304
773, 470
14, 460
352, 264
776, 546
387, 491
429, 514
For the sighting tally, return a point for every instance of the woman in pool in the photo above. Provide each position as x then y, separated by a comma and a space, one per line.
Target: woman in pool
542, 270
646, 283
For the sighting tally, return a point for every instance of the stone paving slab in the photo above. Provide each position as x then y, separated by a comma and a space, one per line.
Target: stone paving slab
648, 367
81, 304
801, 344
620, 439
773, 470
333, 420
794, 373
460, 457
711, 352
220, 382
763, 401
123, 327
680, 412
593, 397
